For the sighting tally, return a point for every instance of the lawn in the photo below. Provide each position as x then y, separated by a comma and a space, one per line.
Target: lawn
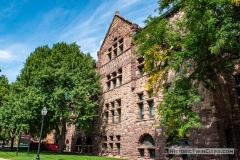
49, 155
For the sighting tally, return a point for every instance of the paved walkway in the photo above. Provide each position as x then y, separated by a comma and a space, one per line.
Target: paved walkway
3, 159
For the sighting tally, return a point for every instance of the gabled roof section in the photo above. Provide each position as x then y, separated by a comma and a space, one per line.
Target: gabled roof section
118, 28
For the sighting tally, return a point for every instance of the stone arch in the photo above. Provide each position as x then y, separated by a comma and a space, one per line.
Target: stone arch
146, 146
147, 140
88, 141
88, 145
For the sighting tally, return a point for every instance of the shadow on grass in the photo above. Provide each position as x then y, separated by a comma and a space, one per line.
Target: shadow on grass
48, 155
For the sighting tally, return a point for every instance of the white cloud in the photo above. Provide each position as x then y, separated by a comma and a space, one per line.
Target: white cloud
5, 55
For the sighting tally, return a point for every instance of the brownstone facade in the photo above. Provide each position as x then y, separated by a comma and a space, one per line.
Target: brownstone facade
127, 121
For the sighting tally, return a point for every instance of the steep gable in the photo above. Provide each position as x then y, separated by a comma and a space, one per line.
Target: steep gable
119, 27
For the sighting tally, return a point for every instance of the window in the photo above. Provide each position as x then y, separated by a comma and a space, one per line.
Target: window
118, 138
152, 153
111, 145
141, 153
120, 80
108, 77
107, 106
151, 109
118, 148
109, 85
237, 79
109, 56
114, 83
141, 108
120, 71
106, 117
121, 48
111, 137
119, 115
105, 138
114, 74
169, 89
119, 102
140, 60
112, 104
141, 96
112, 117
105, 148
141, 70
115, 52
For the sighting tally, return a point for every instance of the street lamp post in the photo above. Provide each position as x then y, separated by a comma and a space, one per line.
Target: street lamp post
44, 113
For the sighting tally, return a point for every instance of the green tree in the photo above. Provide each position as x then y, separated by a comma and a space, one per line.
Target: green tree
66, 81
4, 88
197, 47
18, 111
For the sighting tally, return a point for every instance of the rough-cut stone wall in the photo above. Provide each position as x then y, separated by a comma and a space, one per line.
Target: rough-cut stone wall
218, 109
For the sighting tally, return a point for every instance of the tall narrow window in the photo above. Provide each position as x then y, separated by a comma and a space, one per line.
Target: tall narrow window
114, 83
107, 106
106, 117
119, 115
105, 148
121, 49
112, 104
112, 117
111, 138
120, 80
151, 109
109, 56
141, 96
141, 72
111, 145
141, 109
118, 138
119, 102
118, 148
152, 153
108, 85
115, 52
141, 153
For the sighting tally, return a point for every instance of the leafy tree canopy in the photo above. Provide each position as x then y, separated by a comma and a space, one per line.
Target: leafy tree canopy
63, 79
196, 46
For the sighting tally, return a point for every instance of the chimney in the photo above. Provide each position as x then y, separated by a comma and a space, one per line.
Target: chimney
117, 13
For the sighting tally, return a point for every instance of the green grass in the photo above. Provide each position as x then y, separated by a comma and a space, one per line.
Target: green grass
48, 155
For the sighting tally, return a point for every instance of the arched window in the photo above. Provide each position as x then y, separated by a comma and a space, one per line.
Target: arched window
88, 141
78, 141
147, 140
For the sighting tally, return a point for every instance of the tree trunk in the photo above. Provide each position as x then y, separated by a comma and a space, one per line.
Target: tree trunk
61, 136
12, 141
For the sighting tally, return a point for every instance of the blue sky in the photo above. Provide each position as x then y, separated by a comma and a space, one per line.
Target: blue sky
27, 24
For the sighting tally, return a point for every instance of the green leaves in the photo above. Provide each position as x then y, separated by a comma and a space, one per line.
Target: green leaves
199, 42
63, 79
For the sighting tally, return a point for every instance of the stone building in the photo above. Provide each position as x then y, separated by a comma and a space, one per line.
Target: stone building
127, 112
